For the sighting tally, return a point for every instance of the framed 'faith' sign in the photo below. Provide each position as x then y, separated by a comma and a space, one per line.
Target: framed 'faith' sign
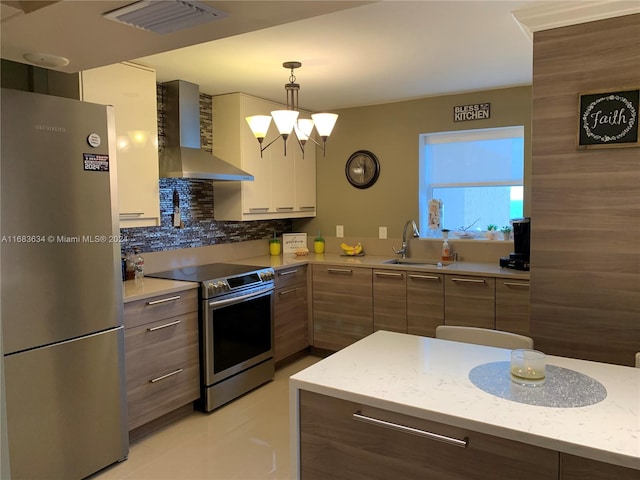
609, 119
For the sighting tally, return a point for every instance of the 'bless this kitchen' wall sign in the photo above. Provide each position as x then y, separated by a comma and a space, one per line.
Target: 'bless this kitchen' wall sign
609, 119
476, 111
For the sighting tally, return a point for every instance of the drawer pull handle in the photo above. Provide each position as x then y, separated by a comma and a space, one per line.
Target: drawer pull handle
346, 271
286, 292
164, 300
389, 274
281, 209
258, 209
513, 284
307, 208
166, 376
414, 431
423, 277
160, 327
288, 272
467, 280
131, 214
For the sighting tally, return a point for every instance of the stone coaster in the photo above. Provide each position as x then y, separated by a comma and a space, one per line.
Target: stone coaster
563, 388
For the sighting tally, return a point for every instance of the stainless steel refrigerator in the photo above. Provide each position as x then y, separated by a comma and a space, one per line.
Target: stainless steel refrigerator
61, 288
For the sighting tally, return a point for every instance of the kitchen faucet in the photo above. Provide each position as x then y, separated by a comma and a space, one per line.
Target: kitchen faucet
405, 244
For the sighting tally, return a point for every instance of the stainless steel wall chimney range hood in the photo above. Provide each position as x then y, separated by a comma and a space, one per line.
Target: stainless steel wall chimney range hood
182, 157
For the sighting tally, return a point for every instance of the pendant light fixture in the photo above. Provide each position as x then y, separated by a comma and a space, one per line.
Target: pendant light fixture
287, 121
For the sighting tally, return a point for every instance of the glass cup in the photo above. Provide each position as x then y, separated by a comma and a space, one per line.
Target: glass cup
528, 367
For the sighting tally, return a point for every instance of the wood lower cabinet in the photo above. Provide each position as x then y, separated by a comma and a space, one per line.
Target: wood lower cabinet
578, 468
291, 326
469, 301
390, 300
334, 444
512, 305
342, 305
161, 355
425, 303
352, 302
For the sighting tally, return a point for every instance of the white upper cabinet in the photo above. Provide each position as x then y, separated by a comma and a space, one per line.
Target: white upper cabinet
131, 89
283, 186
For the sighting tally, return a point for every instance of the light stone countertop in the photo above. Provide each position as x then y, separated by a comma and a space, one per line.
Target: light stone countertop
371, 261
429, 378
150, 287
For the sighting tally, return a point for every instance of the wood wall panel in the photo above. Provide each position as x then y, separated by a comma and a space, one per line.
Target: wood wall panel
585, 239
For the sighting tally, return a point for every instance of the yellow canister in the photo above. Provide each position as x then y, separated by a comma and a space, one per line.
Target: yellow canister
318, 245
274, 246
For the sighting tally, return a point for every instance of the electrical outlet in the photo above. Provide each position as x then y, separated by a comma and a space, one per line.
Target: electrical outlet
339, 231
382, 233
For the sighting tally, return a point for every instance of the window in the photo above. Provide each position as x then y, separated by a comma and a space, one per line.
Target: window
476, 174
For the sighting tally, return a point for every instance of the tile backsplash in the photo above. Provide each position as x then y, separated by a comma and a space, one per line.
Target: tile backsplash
196, 206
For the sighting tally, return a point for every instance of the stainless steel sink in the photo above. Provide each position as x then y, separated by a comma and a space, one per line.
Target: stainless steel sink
416, 262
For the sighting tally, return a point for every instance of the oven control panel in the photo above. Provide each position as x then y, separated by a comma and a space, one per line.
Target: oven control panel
257, 279
218, 287
266, 275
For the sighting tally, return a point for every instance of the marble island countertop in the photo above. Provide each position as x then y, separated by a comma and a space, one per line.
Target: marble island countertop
429, 378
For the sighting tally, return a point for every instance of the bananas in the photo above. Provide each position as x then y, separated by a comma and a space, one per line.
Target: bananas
352, 249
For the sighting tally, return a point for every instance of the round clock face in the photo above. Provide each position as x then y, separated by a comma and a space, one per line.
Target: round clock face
362, 169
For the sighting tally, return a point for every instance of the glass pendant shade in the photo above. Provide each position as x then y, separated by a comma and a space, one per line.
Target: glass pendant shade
285, 120
303, 128
324, 123
259, 125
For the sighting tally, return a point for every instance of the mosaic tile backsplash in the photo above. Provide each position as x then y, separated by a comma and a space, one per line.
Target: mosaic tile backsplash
196, 199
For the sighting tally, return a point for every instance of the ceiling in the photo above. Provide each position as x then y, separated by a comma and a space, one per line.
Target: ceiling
353, 53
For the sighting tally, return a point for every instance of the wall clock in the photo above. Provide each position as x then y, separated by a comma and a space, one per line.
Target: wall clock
362, 169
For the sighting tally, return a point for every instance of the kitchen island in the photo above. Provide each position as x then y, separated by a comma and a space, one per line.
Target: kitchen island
427, 380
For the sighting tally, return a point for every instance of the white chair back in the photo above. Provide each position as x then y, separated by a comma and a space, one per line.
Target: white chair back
484, 336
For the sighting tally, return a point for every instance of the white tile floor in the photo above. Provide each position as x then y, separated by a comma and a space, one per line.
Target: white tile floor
246, 439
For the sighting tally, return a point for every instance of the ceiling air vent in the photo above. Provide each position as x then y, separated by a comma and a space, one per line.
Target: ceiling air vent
165, 16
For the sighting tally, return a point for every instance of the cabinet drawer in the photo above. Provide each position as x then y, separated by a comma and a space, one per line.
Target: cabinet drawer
469, 301
425, 302
342, 305
579, 468
162, 367
390, 300
290, 276
512, 305
336, 444
291, 329
162, 306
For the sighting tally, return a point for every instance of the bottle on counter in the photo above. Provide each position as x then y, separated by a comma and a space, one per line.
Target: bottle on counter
446, 250
130, 269
138, 263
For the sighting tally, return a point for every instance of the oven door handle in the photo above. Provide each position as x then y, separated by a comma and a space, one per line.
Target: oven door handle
220, 303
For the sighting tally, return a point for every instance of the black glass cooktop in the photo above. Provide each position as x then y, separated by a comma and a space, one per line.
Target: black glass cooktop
203, 273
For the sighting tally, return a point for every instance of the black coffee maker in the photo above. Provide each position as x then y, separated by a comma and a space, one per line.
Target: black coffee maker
519, 258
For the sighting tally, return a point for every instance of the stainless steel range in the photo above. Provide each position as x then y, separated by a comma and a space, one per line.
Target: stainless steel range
236, 328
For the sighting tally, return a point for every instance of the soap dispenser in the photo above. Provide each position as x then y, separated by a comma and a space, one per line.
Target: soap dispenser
446, 250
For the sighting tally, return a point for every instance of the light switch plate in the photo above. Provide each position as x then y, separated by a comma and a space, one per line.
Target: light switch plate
382, 233
339, 231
